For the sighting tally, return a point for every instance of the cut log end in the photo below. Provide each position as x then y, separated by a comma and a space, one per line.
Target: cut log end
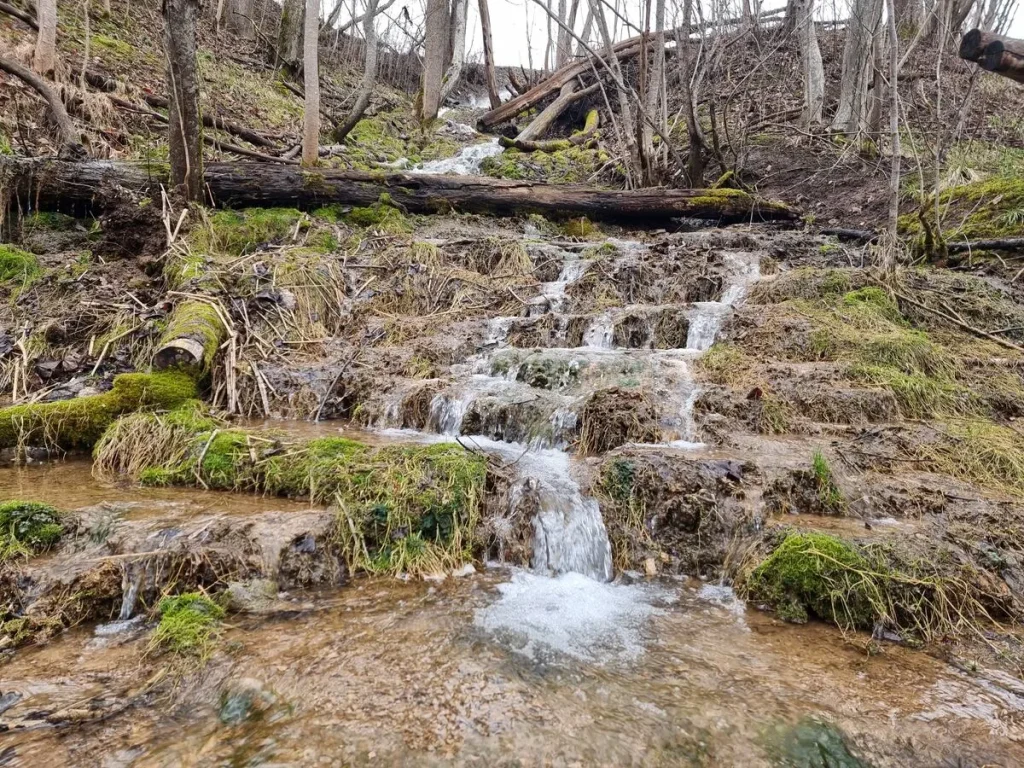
972, 46
185, 354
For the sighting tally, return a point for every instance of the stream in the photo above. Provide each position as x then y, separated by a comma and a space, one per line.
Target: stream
567, 663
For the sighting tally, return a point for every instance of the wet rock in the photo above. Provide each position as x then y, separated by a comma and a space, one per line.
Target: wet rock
613, 417
244, 699
812, 743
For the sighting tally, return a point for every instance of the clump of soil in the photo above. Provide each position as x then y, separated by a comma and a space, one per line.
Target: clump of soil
615, 416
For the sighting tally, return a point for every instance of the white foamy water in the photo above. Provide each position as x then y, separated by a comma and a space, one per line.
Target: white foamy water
707, 317
570, 615
569, 533
465, 163
600, 332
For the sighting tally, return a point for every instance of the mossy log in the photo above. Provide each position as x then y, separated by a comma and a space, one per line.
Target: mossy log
89, 186
78, 423
193, 336
556, 145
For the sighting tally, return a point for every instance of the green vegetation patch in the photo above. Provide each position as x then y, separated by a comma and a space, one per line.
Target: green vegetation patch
401, 508
980, 452
17, 266
725, 363
992, 208
199, 321
234, 233
189, 625
856, 587
828, 492
28, 528
572, 165
80, 422
382, 217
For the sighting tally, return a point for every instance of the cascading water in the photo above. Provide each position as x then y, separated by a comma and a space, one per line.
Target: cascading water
465, 163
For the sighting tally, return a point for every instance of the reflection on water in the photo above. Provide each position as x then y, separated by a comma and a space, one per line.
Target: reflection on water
385, 673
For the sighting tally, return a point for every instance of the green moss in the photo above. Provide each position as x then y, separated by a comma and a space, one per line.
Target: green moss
980, 210
234, 233
871, 298
382, 217
581, 227
572, 165
978, 451
819, 574
189, 625
78, 423
725, 363
828, 491
811, 744
18, 266
431, 495
28, 527
108, 45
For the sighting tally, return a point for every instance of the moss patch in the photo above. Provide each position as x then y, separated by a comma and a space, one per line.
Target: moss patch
28, 528
80, 422
234, 233
189, 625
980, 210
198, 321
572, 165
17, 266
382, 216
403, 508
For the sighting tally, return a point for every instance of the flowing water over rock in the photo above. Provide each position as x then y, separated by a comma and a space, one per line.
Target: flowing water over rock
465, 163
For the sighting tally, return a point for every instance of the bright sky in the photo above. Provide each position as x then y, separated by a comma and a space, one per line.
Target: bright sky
511, 19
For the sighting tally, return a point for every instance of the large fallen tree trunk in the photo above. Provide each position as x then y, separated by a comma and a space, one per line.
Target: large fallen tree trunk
49, 184
996, 53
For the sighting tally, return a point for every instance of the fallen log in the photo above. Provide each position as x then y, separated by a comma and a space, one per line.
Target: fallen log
556, 145
568, 96
49, 184
539, 92
193, 336
995, 53
999, 244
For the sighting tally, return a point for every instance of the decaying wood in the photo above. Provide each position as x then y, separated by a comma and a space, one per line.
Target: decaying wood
555, 145
70, 139
553, 84
57, 185
568, 96
995, 53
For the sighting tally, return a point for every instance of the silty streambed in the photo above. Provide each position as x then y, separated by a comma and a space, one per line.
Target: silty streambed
510, 668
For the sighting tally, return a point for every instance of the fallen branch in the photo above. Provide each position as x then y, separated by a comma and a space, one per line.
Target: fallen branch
569, 96
70, 139
20, 15
959, 322
1002, 244
57, 185
556, 145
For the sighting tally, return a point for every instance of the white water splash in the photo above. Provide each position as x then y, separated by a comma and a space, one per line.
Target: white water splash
707, 317
465, 163
570, 615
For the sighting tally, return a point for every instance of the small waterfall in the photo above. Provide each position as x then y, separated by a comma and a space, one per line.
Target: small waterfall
600, 332
447, 412
465, 163
706, 320
134, 577
569, 533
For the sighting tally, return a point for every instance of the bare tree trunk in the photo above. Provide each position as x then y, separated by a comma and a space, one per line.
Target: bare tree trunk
588, 26
458, 45
656, 93
106, 7
185, 127
311, 83
564, 47
45, 58
625, 109
69, 136
485, 29
435, 46
369, 73
857, 62
218, 16
814, 72
894, 131
289, 38
240, 18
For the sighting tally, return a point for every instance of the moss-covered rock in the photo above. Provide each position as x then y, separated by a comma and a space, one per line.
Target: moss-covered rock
80, 422
28, 528
382, 216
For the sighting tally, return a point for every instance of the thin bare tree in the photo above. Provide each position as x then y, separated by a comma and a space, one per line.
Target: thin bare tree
485, 30
311, 83
369, 73
858, 56
45, 58
894, 133
810, 55
435, 47
185, 127
458, 46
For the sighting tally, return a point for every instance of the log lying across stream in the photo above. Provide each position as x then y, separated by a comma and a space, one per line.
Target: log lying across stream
996, 53
91, 186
